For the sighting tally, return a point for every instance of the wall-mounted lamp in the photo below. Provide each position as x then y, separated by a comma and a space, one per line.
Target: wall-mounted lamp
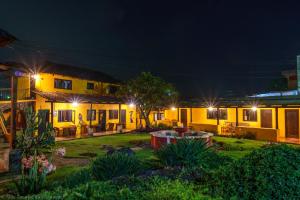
173, 108
131, 105
254, 108
74, 103
36, 76
210, 108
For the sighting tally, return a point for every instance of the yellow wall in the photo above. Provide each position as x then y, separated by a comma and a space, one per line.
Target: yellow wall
23, 87
82, 109
45, 83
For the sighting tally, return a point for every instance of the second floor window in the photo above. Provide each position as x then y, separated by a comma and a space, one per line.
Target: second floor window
90, 86
63, 84
212, 114
66, 115
113, 114
249, 115
112, 89
91, 115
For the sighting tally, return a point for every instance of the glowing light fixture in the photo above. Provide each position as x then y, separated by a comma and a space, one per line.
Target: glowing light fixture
210, 108
74, 103
173, 108
254, 108
131, 105
36, 77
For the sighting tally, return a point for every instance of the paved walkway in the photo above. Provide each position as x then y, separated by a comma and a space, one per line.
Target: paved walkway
289, 140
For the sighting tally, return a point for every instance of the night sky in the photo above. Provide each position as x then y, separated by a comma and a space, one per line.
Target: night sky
205, 47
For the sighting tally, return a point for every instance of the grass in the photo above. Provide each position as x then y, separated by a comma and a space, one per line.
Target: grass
237, 148
233, 147
80, 147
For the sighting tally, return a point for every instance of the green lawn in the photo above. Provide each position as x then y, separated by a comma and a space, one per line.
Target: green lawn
237, 148
83, 147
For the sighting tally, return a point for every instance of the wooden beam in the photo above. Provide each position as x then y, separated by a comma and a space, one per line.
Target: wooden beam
13, 100
178, 114
120, 113
91, 114
52, 112
218, 116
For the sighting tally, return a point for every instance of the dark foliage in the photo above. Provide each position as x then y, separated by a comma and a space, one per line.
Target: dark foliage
268, 173
114, 165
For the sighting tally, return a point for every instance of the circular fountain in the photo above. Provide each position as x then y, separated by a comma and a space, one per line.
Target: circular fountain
160, 138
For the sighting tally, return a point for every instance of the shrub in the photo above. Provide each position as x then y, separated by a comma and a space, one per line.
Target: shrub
267, 173
80, 177
114, 165
186, 153
149, 189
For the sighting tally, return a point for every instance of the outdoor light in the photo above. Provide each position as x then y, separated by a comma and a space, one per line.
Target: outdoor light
210, 108
131, 105
254, 108
173, 108
74, 103
36, 76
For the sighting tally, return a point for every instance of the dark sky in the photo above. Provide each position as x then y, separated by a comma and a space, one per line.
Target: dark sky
204, 47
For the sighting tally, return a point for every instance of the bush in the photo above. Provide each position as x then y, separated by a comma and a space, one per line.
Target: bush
114, 165
186, 153
80, 177
149, 189
269, 173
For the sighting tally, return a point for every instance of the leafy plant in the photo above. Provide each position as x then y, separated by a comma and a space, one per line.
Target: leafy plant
149, 93
34, 181
80, 177
185, 153
114, 165
267, 173
37, 136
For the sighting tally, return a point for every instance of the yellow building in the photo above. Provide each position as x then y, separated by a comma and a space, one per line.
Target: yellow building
76, 101
269, 118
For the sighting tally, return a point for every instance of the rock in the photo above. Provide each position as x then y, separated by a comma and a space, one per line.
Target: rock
123, 150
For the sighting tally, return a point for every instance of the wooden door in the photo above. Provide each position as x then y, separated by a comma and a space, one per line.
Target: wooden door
123, 118
292, 123
102, 119
183, 117
266, 118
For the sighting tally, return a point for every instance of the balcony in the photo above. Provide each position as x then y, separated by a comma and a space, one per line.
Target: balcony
22, 94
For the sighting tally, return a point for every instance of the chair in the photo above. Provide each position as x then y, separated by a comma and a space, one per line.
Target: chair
110, 126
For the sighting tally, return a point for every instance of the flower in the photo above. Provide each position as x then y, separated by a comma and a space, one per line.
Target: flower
61, 151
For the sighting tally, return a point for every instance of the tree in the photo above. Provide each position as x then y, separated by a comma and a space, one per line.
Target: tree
148, 93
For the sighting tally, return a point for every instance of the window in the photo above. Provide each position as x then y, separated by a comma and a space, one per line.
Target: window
111, 89
65, 115
249, 115
113, 114
90, 86
159, 116
63, 84
212, 114
91, 115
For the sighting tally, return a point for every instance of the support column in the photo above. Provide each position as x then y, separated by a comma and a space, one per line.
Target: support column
178, 114
218, 116
236, 116
91, 114
13, 96
276, 117
52, 113
120, 113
